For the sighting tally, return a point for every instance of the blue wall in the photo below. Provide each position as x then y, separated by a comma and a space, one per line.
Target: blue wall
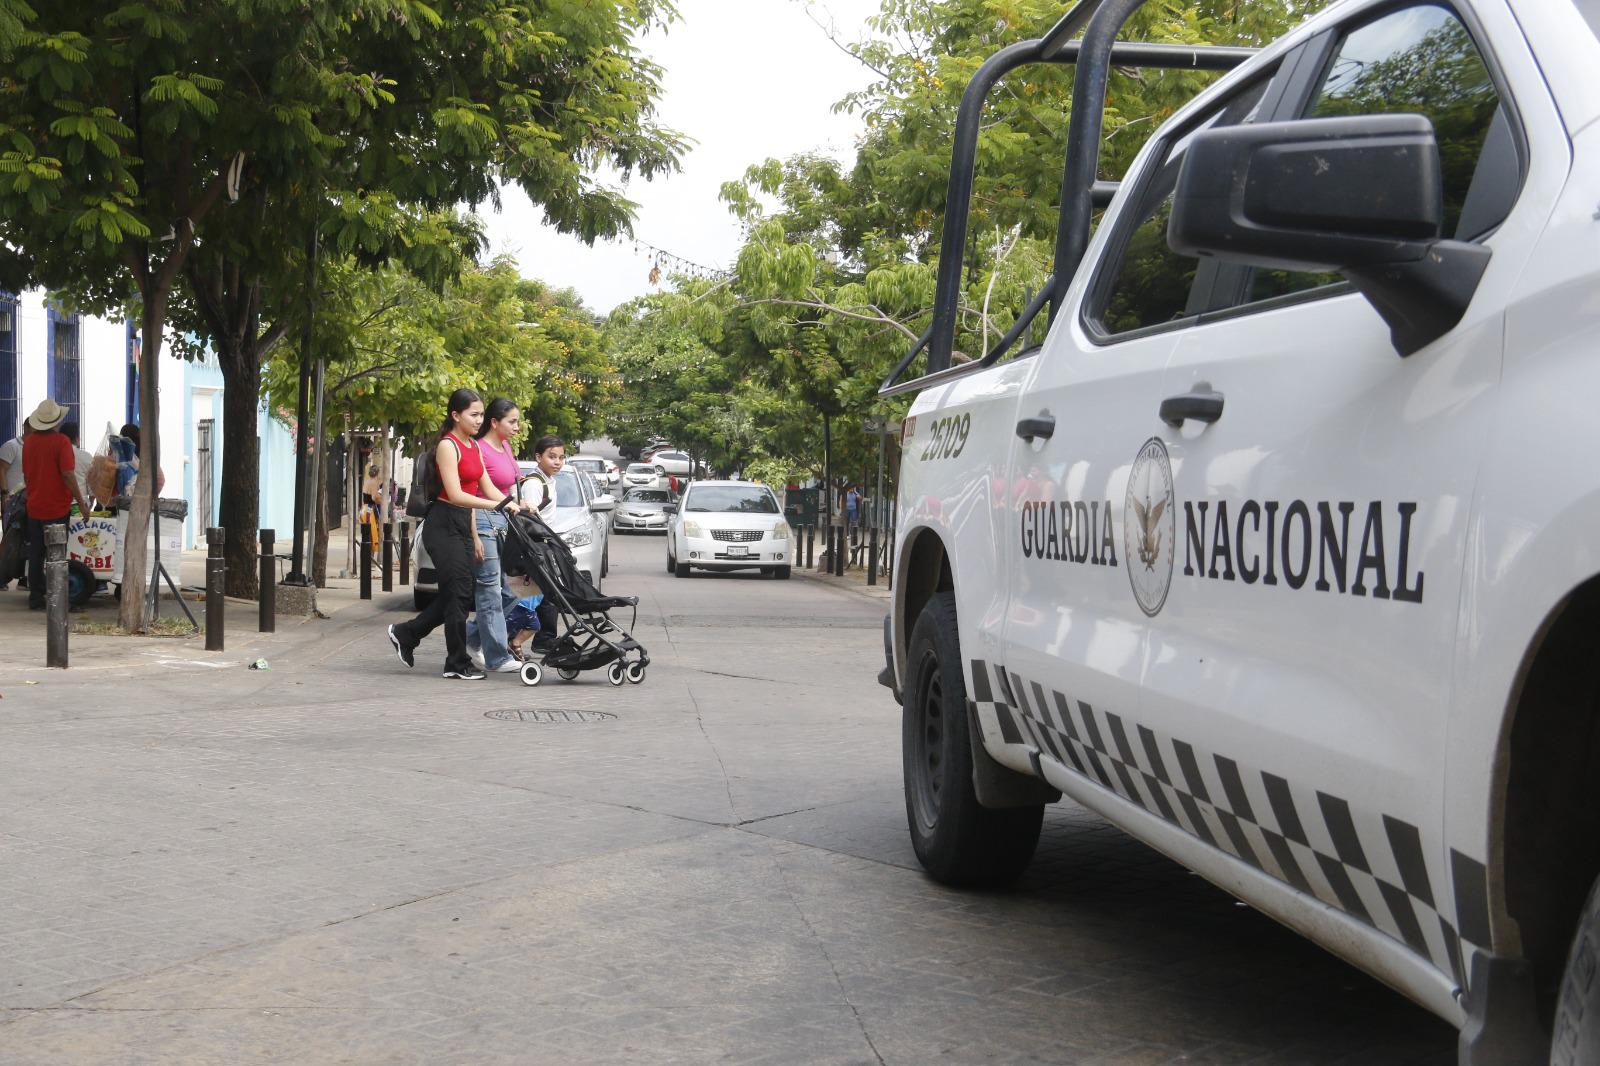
277, 452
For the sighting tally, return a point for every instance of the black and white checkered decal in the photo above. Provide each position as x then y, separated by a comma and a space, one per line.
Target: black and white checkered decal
1373, 867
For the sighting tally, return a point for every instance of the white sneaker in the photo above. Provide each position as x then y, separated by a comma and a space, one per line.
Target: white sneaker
510, 666
476, 655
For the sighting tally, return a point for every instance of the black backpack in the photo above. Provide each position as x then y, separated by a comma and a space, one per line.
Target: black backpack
425, 484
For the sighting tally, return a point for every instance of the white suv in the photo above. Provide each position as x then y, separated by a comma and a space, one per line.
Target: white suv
1281, 552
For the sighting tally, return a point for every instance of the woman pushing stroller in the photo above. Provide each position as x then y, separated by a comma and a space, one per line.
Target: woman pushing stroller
451, 538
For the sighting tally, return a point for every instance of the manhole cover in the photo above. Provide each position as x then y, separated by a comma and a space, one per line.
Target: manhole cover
549, 716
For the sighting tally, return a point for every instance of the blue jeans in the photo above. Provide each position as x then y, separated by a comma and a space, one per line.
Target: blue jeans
491, 594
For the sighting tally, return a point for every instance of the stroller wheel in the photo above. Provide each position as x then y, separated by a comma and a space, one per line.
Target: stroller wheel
531, 674
636, 672
615, 673
567, 673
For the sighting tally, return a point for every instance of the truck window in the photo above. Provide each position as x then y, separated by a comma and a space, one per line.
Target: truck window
1152, 282
1421, 60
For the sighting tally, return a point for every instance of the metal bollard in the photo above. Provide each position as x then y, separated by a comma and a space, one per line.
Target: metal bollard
55, 594
405, 552
366, 565
269, 584
216, 584
388, 556
872, 556
811, 546
844, 552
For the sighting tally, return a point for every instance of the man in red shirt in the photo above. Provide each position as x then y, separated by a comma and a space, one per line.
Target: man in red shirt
47, 465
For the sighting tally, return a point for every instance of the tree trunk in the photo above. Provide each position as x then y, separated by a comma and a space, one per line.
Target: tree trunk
240, 513
134, 562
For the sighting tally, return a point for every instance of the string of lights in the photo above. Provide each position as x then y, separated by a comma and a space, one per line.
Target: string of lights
663, 261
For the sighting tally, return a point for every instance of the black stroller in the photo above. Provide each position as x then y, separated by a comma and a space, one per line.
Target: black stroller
590, 639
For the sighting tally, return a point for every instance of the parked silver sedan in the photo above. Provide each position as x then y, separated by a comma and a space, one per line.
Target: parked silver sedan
642, 511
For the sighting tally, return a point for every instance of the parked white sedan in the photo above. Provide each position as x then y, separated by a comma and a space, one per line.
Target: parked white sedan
603, 471
582, 518
728, 525
643, 476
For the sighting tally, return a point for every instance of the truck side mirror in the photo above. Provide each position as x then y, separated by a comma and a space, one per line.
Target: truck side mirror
1362, 195
670, 508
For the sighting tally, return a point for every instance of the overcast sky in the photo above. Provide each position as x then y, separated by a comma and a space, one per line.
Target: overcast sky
747, 80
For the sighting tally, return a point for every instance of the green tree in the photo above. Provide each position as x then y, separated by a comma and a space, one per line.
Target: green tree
394, 348
127, 125
836, 276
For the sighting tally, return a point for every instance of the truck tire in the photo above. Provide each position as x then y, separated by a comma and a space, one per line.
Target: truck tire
1577, 1022
958, 840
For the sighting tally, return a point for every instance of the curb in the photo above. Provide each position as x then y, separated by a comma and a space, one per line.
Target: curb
880, 592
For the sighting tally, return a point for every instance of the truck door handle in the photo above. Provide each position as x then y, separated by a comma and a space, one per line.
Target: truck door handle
1202, 405
1044, 426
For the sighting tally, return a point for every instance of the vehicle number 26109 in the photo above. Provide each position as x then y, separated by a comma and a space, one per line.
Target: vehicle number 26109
948, 438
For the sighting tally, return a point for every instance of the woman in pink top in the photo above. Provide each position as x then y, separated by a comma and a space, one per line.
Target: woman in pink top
492, 595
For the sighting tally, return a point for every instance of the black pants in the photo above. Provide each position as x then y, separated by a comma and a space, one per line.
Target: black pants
546, 612
447, 533
36, 528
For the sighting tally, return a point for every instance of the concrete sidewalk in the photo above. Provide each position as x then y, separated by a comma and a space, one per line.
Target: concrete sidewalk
22, 632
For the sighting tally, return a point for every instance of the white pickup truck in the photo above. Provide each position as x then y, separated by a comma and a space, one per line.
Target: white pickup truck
1282, 551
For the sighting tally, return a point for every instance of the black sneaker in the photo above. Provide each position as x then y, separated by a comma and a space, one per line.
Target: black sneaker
400, 649
471, 673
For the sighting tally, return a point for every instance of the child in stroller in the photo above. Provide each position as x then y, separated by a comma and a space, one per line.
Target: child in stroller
588, 638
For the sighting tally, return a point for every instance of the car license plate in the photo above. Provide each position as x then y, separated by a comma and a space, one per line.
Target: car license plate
737, 551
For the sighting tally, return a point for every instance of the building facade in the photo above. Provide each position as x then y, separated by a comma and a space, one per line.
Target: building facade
90, 366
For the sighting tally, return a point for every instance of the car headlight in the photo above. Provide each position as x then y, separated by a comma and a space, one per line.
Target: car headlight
780, 531
578, 538
692, 529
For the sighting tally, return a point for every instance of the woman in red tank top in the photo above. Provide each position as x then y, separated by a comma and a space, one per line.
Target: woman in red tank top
464, 487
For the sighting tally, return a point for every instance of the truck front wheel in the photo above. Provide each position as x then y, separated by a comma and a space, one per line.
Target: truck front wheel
958, 840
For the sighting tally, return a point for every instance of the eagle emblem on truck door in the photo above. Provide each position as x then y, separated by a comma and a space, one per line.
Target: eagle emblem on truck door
1149, 526
1149, 530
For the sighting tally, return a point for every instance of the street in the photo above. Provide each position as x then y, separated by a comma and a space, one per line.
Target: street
340, 860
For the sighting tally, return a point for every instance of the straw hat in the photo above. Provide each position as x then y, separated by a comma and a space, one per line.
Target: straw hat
47, 416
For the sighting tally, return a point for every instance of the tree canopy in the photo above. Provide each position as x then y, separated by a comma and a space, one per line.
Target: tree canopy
134, 131
835, 279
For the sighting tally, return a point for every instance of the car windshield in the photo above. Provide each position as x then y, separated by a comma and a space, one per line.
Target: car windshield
586, 464
641, 468
646, 496
753, 499
568, 494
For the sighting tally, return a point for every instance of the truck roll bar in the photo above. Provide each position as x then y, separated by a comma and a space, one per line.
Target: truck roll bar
1081, 193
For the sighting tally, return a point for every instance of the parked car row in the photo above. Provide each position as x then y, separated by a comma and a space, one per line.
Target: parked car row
713, 525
